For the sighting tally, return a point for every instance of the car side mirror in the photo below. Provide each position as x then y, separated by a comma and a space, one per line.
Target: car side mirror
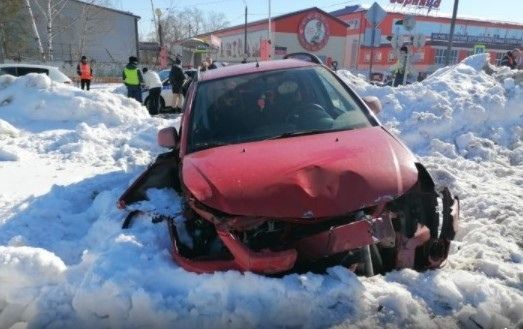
168, 137
374, 103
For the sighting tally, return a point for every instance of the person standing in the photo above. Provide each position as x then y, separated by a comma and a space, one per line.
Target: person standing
511, 59
132, 78
402, 69
85, 72
177, 78
210, 64
154, 84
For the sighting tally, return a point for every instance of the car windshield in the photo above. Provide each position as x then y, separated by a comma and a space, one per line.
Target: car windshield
270, 105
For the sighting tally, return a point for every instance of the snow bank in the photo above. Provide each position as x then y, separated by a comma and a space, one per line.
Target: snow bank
35, 97
65, 261
457, 110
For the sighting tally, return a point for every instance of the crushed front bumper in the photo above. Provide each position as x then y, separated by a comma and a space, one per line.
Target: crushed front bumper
337, 239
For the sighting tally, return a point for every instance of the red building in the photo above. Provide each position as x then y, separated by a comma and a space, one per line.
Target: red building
339, 35
494, 37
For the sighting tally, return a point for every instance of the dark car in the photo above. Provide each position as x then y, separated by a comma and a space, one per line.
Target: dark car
283, 167
19, 69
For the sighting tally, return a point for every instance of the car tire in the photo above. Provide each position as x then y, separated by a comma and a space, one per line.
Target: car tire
162, 104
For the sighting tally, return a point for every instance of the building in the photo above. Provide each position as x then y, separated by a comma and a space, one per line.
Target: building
309, 30
340, 35
103, 34
470, 36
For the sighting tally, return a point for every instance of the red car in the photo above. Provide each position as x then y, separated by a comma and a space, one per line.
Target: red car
282, 167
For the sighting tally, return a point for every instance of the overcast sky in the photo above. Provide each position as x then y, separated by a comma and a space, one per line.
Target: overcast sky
502, 10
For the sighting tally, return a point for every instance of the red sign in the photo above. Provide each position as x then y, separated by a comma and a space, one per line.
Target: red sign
313, 32
419, 3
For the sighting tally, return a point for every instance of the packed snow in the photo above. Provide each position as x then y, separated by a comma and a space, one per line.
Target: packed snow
66, 155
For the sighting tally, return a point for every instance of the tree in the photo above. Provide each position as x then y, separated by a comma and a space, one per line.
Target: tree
92, 21
8, 9
35, 29
50, 10
188, 22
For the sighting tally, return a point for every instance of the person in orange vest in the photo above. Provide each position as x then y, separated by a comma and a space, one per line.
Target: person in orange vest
85, 72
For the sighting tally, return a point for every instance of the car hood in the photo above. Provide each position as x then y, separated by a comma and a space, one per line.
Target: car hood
312, 176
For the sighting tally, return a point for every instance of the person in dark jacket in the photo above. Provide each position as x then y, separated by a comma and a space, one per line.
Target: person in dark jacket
210, 64
177, 78
133, 79
511, 59
85, 72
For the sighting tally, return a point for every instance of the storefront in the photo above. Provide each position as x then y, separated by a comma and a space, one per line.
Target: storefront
471, 36
309, 30
340, 35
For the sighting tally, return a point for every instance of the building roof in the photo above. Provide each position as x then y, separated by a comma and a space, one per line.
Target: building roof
347, 10
433, 14
276, 18
107, 8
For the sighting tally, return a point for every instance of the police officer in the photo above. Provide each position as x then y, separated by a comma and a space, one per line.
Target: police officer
132, 78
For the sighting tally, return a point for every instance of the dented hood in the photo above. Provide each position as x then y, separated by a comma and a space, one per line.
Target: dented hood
319, 175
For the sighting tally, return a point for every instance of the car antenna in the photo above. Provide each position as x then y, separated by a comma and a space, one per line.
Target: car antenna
257, 64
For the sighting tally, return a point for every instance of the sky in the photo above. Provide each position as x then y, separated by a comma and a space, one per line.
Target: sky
504, 10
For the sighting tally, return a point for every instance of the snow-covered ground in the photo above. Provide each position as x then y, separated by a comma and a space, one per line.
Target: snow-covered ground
66, 155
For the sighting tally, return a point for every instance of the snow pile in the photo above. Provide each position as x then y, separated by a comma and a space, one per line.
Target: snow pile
458, 110
96, 128
65, 261
51, 101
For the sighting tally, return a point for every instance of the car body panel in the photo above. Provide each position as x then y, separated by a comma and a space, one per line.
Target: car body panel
253, 67
52, 72
322, 175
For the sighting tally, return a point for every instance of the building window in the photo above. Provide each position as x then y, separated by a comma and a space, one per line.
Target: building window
377, 57
420, 56
441, 54
366, 58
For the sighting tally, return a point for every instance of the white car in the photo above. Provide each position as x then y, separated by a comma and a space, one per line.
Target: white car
22, 69
166, 96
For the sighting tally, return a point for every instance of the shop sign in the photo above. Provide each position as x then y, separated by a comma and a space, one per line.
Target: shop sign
418, 3
313, 32
475, 39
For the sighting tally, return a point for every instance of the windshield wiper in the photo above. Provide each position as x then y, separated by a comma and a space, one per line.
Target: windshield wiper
297, 133
211, 144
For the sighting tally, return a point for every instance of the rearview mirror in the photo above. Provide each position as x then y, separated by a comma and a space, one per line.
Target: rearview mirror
168, 137
373, 103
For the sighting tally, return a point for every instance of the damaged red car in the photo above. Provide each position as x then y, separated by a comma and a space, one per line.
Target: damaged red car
282, 167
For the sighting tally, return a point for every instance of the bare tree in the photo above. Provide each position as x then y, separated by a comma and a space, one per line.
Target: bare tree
188, 22
35, 30
50, 11
92, 21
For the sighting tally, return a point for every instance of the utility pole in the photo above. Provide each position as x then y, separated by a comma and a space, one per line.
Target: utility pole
245, 33
269, 37
451, 34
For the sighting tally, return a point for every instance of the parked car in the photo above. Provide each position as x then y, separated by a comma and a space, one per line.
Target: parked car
281, 167
166, 96
22, 69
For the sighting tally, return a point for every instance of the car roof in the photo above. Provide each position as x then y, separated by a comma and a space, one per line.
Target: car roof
252, 67
28, 65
